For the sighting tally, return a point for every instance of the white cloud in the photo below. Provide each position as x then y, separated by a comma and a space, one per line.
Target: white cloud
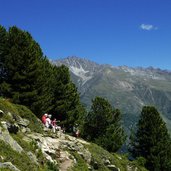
148, 27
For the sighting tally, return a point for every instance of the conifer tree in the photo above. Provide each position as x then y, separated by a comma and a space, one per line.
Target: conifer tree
67, 106
152, 141
114, 136
44, 86
22, 65
3, 52
102, 125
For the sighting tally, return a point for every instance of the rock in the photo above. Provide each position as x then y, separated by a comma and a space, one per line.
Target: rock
12, 128
112, 167
107, 162
32, 157
5, 136
89, 168
14, 116
95, 165
23, 122
8, 165
1, 113
25, 129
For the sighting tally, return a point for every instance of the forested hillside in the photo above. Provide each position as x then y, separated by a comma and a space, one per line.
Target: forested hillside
28, 78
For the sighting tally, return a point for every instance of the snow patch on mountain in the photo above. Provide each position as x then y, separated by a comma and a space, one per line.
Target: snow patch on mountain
80, 72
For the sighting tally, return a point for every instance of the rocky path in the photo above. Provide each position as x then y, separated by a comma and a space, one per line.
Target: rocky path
65, 165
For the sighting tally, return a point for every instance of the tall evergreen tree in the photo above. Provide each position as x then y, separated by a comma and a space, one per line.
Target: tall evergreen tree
114, 136
22, 65
152, 141
3, 52
28, 78
44, 86
102, 125
67, 106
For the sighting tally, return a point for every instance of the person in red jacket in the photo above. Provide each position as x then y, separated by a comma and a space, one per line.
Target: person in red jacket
44, 118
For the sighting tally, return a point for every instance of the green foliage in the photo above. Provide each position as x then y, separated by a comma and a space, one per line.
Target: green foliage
152, 140
66, 100
21, 63
99, 155
80, 165
51, 166
29, 79
45, 87
141, 161
26, 74
102, 125
3, 50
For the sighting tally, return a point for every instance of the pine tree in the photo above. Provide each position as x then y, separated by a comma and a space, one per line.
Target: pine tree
114, 136
96, 121
3, 52
67, 106
44, 86
102, 125
152, 141
22, 65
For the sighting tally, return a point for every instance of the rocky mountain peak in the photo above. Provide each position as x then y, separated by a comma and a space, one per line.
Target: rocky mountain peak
127, 88
76, 62
80, 67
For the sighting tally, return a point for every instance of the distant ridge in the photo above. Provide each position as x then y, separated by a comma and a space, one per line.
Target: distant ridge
127, 88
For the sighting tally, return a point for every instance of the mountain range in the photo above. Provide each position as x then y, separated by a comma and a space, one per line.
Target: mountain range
126, 88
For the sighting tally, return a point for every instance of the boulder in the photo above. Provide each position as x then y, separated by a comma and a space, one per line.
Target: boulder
8, 165
32, 157
12, 128
23, 122
112, 167
107, 162
5, 136
1, 113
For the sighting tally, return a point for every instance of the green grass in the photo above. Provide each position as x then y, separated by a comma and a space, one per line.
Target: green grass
81, 165
27, 146
120, 161
35, 124
7, 107
20, 160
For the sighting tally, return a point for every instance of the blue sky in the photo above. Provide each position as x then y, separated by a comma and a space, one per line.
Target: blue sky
116, 32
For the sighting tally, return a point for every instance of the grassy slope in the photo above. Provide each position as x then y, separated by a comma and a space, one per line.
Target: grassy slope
23, 162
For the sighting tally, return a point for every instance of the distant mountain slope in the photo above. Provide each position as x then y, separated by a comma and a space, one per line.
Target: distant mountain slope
126, 88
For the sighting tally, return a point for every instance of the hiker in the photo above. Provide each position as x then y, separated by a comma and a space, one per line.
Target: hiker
48, 123
76, 131
55, 126
44, 118
77, 134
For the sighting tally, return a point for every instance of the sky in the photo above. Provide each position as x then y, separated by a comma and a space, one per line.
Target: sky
116, 32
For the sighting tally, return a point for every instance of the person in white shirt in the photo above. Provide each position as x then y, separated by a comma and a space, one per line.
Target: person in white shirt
48, 121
